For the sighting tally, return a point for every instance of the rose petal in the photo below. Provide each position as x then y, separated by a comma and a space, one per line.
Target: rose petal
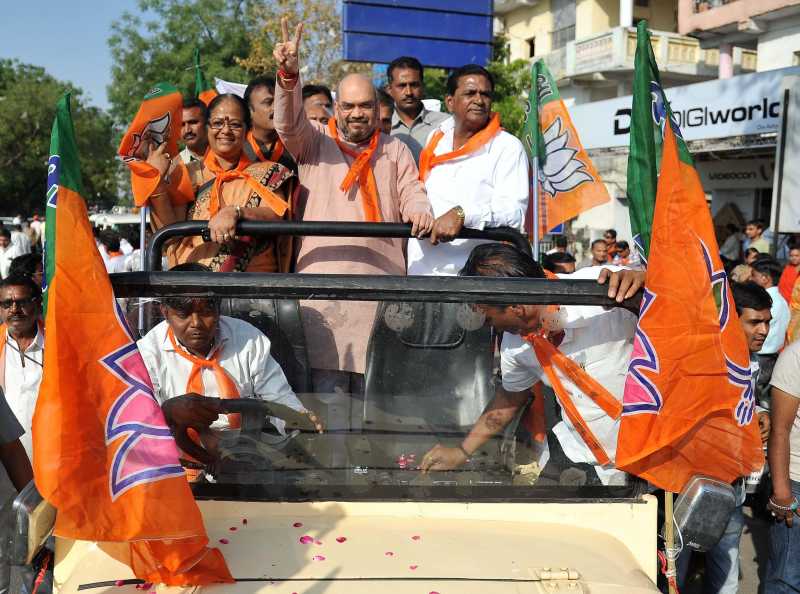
306, 539
318, 542
119, 583
224, 540
244, 521
233, 528
341, 539
389, 554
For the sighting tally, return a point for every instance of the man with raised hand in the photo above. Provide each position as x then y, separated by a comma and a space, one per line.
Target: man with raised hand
349, 171
476, 175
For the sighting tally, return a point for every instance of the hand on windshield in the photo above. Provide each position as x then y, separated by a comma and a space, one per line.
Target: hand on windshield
442, 458
447, 227
222, 226
286, 53
191, 410
622, 284
316, 421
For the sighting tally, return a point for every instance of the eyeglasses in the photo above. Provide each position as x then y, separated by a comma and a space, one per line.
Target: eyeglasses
23, 303
219, 124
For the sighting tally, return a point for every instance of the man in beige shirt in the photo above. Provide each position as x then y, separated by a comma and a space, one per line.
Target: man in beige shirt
384, 188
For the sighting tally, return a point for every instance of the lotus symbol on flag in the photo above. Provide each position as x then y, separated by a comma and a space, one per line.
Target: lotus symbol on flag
561, 171
157, 130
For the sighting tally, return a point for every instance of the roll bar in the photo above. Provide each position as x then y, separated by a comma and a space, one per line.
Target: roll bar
318, 228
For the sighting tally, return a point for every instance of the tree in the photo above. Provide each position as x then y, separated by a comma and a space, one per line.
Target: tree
28, 98
159, 46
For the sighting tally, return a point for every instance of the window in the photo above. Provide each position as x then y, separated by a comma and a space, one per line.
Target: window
531, 47
560, 37
642, 3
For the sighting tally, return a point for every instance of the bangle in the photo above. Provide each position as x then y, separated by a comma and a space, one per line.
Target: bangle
463, 451
157, 194
286, 76
791, 507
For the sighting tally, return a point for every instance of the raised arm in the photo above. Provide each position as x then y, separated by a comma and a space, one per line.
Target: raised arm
295, 131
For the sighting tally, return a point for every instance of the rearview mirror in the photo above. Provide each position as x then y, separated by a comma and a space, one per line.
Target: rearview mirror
702, 511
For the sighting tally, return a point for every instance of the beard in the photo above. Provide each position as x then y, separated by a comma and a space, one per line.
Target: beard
354, 136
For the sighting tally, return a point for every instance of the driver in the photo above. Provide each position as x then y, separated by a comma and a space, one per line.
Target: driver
599, 340
195, 352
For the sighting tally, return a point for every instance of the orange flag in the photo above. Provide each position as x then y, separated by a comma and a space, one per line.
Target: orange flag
103, 454
688, 406
568, 181
157, 121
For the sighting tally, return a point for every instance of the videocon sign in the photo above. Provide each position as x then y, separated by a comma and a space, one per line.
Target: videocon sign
742, 105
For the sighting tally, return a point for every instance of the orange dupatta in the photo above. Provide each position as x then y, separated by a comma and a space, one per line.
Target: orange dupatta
362, 171
277, 151
427, 160
278, 205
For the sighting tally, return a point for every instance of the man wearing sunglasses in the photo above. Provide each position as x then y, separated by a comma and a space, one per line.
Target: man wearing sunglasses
21, 349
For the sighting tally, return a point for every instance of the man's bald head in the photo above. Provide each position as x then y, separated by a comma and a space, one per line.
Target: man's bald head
356, 107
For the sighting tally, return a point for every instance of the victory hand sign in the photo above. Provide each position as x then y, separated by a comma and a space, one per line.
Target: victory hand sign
285, 53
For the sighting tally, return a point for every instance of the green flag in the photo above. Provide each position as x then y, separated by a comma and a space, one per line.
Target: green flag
63, 171
649, 113
202, 89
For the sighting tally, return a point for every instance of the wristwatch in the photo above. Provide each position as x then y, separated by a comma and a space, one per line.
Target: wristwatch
461, 214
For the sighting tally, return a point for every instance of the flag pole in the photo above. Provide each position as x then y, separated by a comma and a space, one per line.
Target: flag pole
535, 215
669, 543
142, 259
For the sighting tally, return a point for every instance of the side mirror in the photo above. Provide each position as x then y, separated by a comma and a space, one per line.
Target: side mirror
34, 523
702, 511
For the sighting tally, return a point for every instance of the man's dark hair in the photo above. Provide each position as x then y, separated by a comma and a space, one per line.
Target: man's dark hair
110, 239
185, 303
623, 245
552, 261
4, 232
385, 99
501, 260
751, 250
455, 76
560, 241
215, 102
751, 296
611, 232
25, 265
311, 90
598, 242
22, 280
259, 81
757, 223
768, 266
405, 62
195, 103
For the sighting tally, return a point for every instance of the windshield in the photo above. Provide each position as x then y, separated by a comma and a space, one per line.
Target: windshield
410, 396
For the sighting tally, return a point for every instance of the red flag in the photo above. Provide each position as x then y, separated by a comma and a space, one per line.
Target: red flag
103, 454
688, 406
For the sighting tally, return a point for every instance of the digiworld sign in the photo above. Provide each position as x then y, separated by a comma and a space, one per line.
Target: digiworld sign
439, 33
746, 104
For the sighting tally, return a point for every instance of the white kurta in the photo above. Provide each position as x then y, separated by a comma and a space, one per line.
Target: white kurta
245, 357
601, 342
22, 383
491, 185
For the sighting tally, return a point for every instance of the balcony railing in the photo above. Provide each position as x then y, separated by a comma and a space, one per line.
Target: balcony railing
615, 49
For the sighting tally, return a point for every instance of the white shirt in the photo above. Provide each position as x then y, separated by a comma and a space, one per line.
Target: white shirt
125, 247
600, 341
781, 316
6, 255
116, 263
245, 357
22, 383
491, 185
22, 241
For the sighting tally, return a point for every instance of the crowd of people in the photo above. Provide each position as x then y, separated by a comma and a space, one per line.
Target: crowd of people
285, 151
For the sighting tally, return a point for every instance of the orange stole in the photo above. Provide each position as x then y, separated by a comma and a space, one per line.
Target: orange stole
427, 160
278, 205
277, 151
361, 170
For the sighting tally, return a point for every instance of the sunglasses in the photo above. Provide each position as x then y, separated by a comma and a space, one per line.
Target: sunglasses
21, 303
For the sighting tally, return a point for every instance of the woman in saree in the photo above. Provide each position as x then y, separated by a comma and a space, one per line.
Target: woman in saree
228, 188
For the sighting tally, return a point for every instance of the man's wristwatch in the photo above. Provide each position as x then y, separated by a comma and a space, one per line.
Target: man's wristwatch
461, 214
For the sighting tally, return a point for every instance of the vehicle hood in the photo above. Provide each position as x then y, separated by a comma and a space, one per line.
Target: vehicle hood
417, 548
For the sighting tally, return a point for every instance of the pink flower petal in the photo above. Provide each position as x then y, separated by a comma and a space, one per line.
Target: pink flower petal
297, 525
306, 539
340, 539
224, 540
119, 583
318, 542
413, 567
318, 558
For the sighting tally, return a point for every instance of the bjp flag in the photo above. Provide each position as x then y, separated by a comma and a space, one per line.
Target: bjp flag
103, 454
157, 122
568, 181
688, 405
202, 89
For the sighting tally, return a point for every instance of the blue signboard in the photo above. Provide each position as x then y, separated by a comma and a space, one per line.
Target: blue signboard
439, 33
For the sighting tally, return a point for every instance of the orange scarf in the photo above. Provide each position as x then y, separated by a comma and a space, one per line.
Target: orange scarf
225, 383
361, 170
277, 149
113, 254
427, 160
278, 205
